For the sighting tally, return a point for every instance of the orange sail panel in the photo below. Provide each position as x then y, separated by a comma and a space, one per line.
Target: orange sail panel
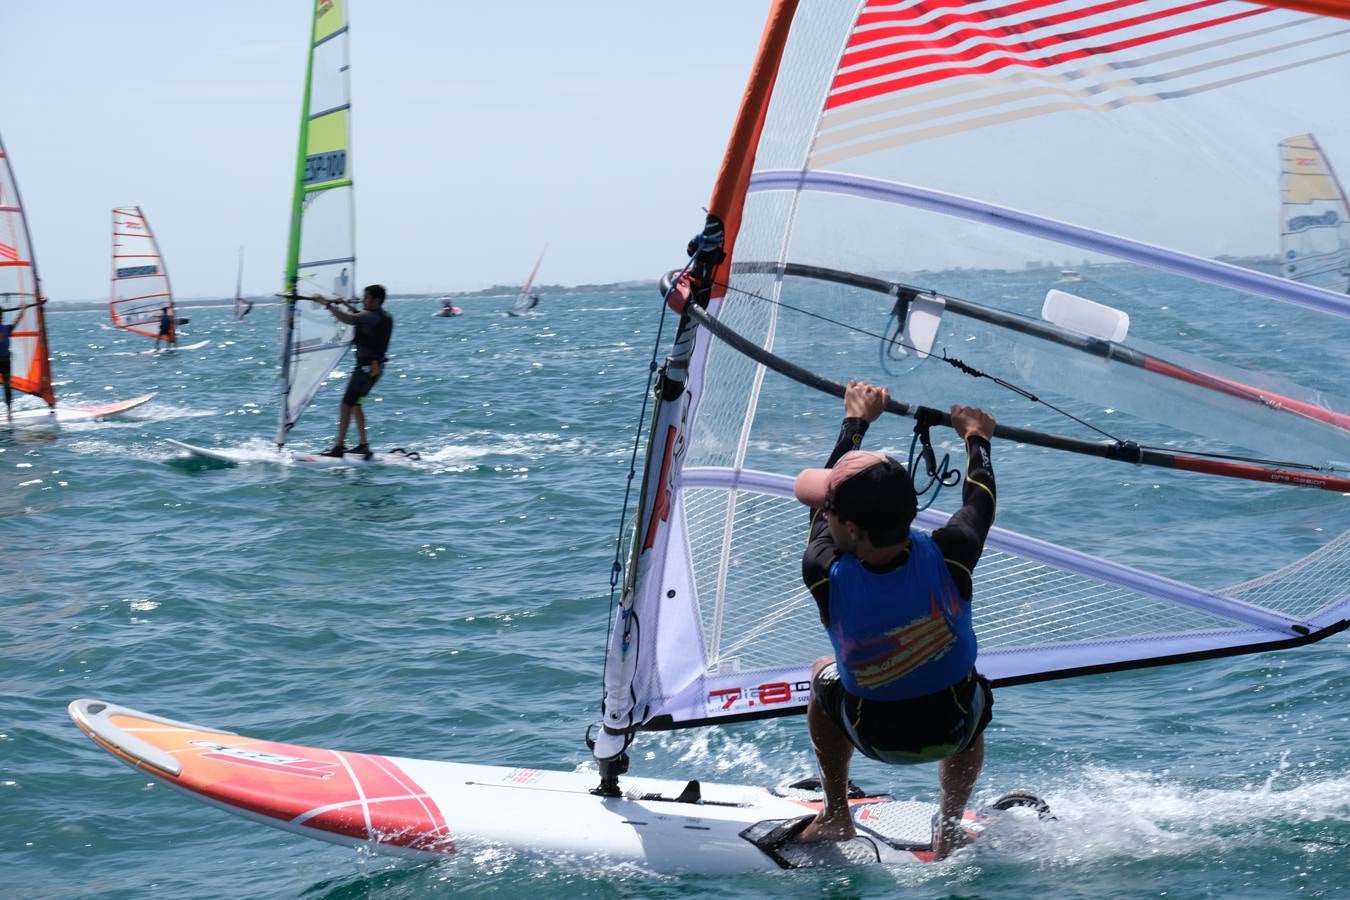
141, 294
30, 367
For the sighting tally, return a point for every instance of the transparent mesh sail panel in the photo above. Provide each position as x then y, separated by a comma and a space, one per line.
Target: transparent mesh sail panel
1035, 179
756, 613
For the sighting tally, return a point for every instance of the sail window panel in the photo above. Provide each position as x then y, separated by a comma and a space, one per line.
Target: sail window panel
326, 241
755, 610
328, 87
1175, 319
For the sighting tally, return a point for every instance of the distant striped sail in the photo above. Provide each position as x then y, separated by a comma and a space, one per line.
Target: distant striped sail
1314, 219
321, 254
140, 280
30, 366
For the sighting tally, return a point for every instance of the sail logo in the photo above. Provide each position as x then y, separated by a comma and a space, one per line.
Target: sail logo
1300, 223
324, 7
272, 762
135, 271
9, 253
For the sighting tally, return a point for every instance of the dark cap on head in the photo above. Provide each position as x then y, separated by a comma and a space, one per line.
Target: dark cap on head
871, 490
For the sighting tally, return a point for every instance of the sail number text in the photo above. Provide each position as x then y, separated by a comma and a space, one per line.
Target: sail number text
761, 695
325, 166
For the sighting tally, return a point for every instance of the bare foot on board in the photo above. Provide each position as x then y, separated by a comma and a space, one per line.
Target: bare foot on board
826, 827
951, 838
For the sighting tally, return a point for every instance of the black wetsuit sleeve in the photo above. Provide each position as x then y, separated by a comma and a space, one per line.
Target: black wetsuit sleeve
820, 551
961, 540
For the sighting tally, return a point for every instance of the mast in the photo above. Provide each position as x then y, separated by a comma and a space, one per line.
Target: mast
623, 709
292, 273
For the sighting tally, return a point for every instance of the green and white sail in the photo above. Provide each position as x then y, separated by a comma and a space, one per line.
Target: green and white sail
321, 255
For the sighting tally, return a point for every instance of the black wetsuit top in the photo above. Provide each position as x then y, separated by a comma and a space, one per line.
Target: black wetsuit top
961, 540
374, 327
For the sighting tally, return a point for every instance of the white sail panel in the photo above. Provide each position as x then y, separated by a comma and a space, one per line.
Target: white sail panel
30, 365
1314, 219
322, 254
960, 153
141, 292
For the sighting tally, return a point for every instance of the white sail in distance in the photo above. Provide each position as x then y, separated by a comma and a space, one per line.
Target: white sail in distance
1314, 218
141, 292
321, 254
525, 301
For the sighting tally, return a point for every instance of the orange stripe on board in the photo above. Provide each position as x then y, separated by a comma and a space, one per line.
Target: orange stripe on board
728, 195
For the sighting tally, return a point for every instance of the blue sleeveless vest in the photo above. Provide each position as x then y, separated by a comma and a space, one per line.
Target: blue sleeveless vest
900, 634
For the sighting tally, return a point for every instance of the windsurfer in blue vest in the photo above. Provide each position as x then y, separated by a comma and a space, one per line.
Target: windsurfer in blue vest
374, 327
7, 329
902, 686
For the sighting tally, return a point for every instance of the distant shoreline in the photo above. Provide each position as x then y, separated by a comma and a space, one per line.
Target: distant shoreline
507, 291
496, 291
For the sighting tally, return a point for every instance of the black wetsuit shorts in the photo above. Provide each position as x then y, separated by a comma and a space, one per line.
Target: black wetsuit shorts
918, 730
363, 379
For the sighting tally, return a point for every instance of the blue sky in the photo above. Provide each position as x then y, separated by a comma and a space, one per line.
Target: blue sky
480, 132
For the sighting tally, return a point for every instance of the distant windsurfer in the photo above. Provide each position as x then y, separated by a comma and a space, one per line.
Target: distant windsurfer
6, 330
165, 328
374, 327
902, 686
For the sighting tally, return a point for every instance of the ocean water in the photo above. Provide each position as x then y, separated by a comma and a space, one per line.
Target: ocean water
457, 610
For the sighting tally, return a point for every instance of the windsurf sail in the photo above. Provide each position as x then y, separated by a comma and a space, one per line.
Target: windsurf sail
1314, 219
141, 293
321, 254
242, 307
21, 294
526, 301
900, 179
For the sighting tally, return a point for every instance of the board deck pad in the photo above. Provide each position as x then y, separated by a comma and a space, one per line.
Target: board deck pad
776, 838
